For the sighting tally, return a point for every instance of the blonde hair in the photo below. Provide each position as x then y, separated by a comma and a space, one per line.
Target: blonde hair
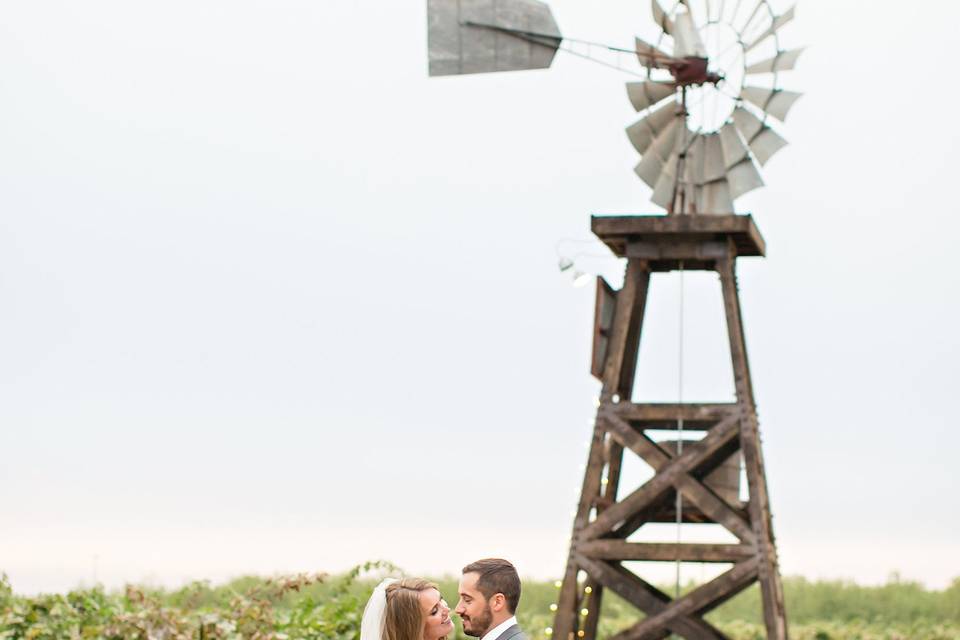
403, 617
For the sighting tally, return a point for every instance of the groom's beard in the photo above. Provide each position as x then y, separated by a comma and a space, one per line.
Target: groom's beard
476, 626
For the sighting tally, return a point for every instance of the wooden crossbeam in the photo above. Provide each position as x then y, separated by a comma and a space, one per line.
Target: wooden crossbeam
648, 599
697, 602
673, 473
696, 417
607, 549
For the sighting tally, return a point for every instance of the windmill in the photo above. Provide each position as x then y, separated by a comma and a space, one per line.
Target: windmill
708, 92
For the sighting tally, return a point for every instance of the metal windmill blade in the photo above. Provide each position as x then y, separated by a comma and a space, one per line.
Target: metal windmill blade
775, 102
643, 131
686, 37
649, 93
661, 18
777, 23
481, 36
783, 61
763, 141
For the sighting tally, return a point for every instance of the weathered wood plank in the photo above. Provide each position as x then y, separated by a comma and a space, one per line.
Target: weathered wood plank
603, 312
608, 549
771, 587
608, 493
616, 231
697, 417
628, 368
630, 297
565, 622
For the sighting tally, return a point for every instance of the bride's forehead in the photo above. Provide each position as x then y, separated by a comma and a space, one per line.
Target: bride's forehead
429, 598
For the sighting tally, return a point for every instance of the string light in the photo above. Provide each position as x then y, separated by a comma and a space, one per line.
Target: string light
548, 631
584, 612
553, 607
581, 633
588, 591
558, 584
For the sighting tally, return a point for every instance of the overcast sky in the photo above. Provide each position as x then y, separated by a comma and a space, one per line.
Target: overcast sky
273, 300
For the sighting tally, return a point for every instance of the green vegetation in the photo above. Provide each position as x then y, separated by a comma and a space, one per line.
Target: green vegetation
329, 607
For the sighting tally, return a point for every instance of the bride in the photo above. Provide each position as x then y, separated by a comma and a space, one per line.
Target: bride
406, 609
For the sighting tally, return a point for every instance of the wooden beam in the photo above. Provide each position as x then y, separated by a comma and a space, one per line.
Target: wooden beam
625, 329
628, 367
565, 622
648, 599
608, 492
698, 417
771, 587
608, 549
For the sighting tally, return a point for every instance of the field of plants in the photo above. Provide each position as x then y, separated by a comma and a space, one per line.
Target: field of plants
329, 607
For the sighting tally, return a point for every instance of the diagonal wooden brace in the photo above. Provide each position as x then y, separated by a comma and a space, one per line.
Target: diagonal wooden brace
697, 602
673, 474
648, 599
699, 494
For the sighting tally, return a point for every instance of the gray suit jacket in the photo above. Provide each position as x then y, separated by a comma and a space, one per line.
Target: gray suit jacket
512, 632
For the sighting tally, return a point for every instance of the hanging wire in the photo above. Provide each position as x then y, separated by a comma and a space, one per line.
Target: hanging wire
679, 504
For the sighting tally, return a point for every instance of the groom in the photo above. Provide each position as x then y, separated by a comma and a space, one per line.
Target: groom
489, 594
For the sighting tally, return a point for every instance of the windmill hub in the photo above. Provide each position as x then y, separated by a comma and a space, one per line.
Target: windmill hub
693, 71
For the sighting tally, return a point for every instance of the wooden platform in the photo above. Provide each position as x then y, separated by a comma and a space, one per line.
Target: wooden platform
664, 241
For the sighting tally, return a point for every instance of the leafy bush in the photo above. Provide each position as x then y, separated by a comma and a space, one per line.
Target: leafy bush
320, 606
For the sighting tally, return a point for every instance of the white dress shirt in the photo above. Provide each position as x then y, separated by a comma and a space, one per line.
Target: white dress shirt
494, 633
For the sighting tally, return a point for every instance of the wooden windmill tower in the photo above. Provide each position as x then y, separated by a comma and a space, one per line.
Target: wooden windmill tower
702, 135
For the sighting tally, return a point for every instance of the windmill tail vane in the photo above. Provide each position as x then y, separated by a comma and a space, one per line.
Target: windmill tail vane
704, 131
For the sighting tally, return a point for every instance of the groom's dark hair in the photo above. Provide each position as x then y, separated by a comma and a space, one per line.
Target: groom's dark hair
497, 575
